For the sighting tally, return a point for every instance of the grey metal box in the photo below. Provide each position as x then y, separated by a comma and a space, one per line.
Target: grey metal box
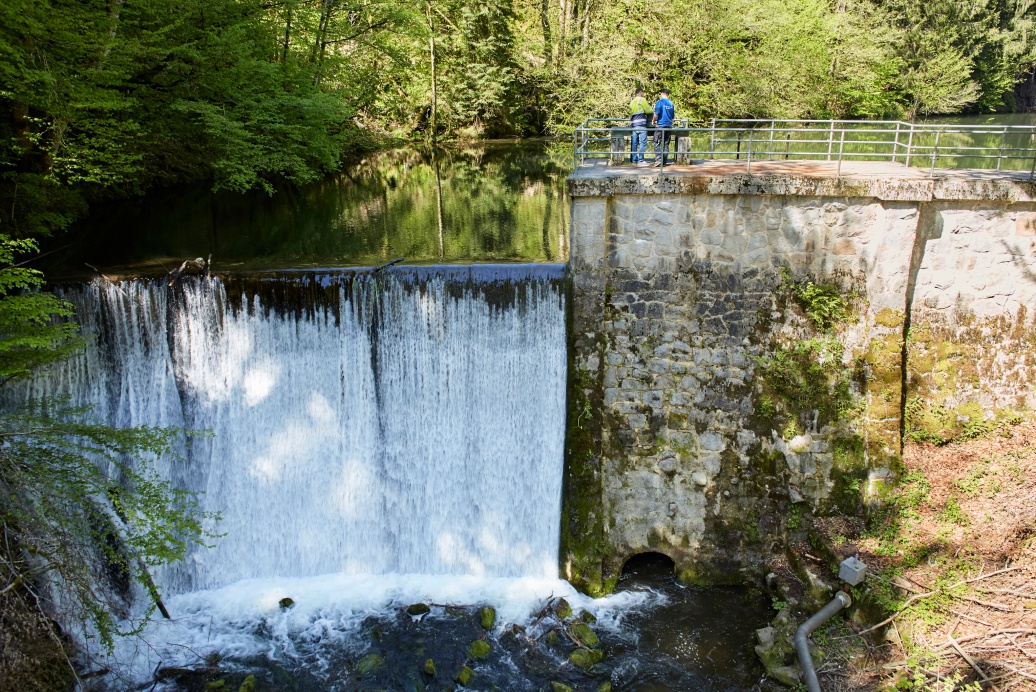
852, 571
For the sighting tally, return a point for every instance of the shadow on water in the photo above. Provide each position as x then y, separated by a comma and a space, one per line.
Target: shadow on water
487, 202
696, 638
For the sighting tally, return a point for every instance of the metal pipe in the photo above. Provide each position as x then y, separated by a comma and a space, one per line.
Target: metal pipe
841, 600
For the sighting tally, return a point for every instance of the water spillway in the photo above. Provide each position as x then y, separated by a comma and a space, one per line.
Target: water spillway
408, 422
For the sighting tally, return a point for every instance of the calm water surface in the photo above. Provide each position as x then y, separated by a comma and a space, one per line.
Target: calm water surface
487, 202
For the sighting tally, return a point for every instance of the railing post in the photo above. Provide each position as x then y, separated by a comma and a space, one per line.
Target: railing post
830, 139
935, 153
787, 146
738, 154
841, 145
748, 166
910, 144
895, 147
1000, 150
769, 148
712, 140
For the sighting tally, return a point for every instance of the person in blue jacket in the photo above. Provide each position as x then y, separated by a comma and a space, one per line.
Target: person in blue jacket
640, 109
665, 114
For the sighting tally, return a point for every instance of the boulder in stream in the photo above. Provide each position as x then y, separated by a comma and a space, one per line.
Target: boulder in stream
582, 632
488, 617
418, 609
286, 603
478, 649
586, 658
429, 667
464, 676
370, 664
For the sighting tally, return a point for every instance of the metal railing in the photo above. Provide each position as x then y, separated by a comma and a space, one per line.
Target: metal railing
1005, 148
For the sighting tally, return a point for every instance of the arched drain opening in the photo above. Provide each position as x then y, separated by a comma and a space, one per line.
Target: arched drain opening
647, 567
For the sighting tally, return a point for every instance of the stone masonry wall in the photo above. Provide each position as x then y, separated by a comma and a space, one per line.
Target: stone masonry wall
679, 442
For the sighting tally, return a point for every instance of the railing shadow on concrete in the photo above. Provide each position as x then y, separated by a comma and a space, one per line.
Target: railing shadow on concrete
1005, 148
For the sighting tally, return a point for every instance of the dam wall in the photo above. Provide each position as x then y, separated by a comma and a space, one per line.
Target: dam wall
747, 348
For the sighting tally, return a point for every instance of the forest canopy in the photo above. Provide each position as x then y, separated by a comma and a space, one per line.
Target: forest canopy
104, 97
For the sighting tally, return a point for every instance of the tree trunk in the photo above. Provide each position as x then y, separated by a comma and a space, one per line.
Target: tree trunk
287, 37
545, 20
435, 94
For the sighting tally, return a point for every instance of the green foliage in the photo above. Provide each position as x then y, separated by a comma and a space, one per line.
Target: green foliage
822, 303
81, 507
777, 604
810, 376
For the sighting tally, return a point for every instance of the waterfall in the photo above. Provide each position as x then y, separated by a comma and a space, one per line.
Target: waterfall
409, 422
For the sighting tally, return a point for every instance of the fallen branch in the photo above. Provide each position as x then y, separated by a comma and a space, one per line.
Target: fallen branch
971, 662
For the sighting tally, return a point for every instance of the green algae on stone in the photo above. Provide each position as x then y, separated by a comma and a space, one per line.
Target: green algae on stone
464, 676
248, 685
559, 687
585, 659
429, 667
214, 685
587, 617
417, 609
605, 687
478, 649
370, 664
286, 603
582, 632
488, 617
563, 610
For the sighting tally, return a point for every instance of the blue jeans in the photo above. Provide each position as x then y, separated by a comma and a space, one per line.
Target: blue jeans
639, 144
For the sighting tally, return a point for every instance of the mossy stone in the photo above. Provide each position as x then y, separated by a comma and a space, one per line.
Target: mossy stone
416, 609
248, 685
587, 617
585, 635
429, 667
464, 676
214, 685
478, 649
559, 687
605, 687
586, 658
370, 664
563, 609
286, 603
552, 639
488, 617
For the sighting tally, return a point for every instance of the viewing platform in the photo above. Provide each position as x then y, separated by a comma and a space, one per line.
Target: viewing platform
830, 158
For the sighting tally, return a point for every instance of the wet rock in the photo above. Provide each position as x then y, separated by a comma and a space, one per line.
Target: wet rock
464, 676
776, 645
418, 609
370, 664
605, 687
786, 675
552, 639
563, 610
488, 617
286, 603
588, 617
214, 685
478, 649
559, 687
585, 635
429, 667
248, 685
586, 658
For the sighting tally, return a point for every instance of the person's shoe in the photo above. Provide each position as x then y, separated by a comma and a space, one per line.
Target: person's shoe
657, 163
643, 164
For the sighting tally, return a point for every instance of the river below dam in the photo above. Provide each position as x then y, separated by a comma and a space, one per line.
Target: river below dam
374, 440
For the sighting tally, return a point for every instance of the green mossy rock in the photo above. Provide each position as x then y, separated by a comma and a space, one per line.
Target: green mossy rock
488, 616
429, 667
585, 659
563, 609
464, 676
478, 649
585, 635
587, 617
286, 603
370, 664
605, 687
418, 609
559, 687
248, 685
552, 639
214, 685
786, 675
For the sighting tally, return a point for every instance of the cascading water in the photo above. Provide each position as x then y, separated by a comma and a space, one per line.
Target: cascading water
407, 424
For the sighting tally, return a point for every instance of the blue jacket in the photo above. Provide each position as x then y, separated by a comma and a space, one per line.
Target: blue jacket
665, 112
